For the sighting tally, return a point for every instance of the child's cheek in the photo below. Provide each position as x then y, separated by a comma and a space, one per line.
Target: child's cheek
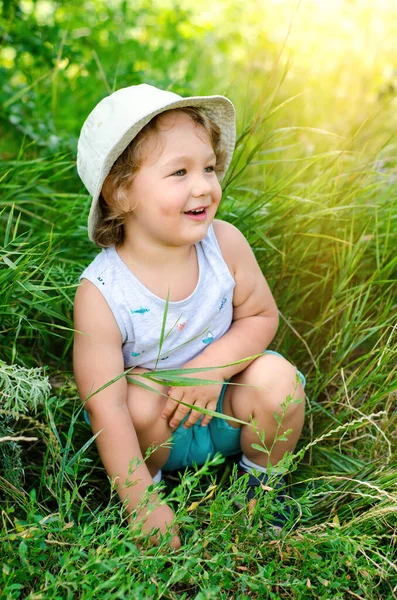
217, 195
170, 208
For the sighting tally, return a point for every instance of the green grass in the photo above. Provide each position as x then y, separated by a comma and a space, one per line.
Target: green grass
323, 226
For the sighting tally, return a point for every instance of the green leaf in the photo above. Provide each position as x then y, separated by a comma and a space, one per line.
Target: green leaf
9, 262
183, 381
163, 324
277, 417
260, 448
201, 369
8, 228
82, 450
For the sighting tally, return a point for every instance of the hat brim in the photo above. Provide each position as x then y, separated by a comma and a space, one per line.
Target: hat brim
218, 108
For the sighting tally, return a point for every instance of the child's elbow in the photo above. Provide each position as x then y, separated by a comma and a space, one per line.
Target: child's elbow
274, 323
110, 416
271, 321
276, 320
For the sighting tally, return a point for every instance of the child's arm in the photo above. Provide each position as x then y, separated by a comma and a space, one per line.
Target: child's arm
97, 360
255, 314
255, 322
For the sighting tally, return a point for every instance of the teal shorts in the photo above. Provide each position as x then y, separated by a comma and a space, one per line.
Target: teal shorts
197, 444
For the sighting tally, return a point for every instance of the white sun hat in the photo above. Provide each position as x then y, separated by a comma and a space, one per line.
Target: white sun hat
118, 118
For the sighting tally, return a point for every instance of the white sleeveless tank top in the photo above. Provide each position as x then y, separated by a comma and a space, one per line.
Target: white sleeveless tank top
191, 324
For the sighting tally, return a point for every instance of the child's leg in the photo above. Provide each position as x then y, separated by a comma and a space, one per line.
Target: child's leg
145, 408
277, 378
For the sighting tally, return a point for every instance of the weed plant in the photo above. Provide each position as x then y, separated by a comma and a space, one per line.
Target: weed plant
323, 227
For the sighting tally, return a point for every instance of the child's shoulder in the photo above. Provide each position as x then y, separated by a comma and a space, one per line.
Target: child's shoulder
225, 229
100, 263
231, 242
95, 289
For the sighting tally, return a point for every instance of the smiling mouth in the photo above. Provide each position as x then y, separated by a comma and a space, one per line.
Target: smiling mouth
196, 211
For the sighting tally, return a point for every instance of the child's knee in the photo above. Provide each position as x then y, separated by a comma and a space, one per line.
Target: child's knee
278, 382
145, 406
286, 386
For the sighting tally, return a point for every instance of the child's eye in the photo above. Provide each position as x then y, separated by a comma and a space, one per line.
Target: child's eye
182, 172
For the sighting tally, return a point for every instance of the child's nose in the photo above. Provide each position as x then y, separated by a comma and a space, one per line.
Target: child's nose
201, 185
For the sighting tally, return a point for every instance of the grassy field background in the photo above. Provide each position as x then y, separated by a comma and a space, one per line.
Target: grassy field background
313, 188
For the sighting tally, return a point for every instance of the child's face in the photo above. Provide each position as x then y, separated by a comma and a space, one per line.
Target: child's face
175, 178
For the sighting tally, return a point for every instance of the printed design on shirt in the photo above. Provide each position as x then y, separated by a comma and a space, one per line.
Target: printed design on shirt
165, 358
135, 353
208, 339
139, 311
101, 280
180, 326
224, 300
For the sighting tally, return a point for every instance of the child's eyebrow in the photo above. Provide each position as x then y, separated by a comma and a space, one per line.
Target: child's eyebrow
178, 159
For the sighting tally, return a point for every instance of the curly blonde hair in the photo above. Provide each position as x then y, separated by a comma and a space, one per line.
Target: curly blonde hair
110, 228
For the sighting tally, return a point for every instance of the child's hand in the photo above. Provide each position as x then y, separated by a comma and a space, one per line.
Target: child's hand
160, 518
203, 396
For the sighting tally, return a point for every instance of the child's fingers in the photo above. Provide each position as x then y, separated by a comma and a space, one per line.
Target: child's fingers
207, 418
194, 416
180, 413
170, 405
169, 408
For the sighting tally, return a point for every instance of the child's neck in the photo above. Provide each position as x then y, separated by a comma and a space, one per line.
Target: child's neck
168, 272
151, 255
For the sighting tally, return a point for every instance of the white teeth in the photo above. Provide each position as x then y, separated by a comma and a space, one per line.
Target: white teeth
196, 211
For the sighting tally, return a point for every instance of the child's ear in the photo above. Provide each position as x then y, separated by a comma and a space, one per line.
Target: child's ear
105, 194
131, 207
